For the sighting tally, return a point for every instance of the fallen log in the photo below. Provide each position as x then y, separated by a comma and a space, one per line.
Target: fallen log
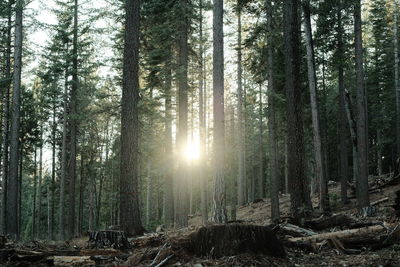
294, 230
379, 201
233, 239
69, 261
324, 222
352, 233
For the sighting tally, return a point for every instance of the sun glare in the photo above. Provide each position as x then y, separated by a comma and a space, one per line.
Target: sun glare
192, 151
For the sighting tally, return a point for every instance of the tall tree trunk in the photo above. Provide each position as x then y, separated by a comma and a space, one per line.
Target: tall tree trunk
100, 191
299, 188
149, 192
82, 187
219, 199
34, 237
5, 122
241, 177
362, 127
39, 188
168, 183
396, 72
343, 132
129, 191
73, 126
20, 170
181, 209
260, 180
273, 168
202, 124
63, 179
12, 190
53, 172
379, 151
318, 146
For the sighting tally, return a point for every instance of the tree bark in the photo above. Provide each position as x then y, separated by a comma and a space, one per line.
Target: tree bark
73, 126
318, 146
64, 152
273, 168
5, 122
181, 209
39, 188
219, 199
53, 171
202, 124
149, 192
82, 187
129, 191
298, 185
343, 132
34, 196
241, 178
12, 190
396, 72
362, 117
260, 181
168, 184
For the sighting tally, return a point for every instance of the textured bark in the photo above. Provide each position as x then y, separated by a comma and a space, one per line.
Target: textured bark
210, 241
149, 192
379, 151
273, 167
318, 146
241, 178
5, 123
34, 196
53, 172
298, 185
343, 132
82, 187
73, 127
12, 185
181, 209
202, 124
64, 154
396, 72
219, 198
39, 188
168, 183
362, 123
260, 177
129, 191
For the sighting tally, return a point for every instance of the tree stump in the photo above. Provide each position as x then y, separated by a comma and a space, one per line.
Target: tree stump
108, 239
233, 239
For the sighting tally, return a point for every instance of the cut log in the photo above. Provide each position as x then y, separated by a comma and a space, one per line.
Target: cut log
324, 222
345, 234
233, 239
73, 261
294, 230
108, 239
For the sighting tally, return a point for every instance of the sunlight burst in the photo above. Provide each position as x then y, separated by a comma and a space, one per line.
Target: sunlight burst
192, 151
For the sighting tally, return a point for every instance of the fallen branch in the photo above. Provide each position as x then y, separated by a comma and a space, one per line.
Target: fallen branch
379, 201
154, 262
165, 260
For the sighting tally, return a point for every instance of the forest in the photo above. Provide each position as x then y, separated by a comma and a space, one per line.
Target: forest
199, 133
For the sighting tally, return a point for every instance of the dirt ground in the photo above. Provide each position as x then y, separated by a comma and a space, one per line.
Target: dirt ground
166, 248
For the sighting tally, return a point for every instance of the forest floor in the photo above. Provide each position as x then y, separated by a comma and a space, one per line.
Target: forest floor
170, 248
